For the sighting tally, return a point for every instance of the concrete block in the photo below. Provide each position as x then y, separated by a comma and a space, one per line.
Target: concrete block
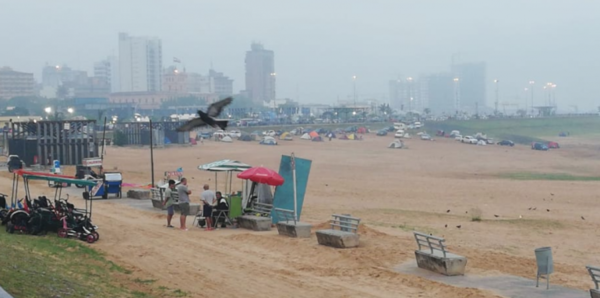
594, 293
140, 194
157, 204
298, 230
255, 223
450, 265
338, 239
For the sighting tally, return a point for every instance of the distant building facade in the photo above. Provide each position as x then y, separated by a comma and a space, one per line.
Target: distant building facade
210, 87
472, 85
405, 94
140, 64
141, 100
438, 91
260, 74
108, 71
54, 76
15, 84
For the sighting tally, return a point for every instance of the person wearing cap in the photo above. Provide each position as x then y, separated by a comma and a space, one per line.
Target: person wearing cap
170, 197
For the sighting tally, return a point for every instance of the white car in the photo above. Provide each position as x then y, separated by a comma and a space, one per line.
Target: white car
399, 134
469, 139
425, 137
219, 133
234, 133
459, 138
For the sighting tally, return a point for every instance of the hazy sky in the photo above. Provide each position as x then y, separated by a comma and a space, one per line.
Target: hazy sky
320, 45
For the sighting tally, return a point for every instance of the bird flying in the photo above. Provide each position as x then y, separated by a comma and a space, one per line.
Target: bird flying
207, 118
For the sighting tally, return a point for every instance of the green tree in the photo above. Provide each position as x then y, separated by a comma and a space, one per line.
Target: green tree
17, 111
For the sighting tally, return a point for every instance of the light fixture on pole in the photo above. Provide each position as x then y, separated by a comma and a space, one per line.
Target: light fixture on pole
456, 95
354, 86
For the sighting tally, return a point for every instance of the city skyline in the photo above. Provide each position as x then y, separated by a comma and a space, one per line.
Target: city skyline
319, 51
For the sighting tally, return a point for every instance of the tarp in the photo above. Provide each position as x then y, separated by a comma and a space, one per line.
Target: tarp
285, 136
313, 134
224, 165
21, 172
246, 138
305, 136
395, 144
284, 194
226, 139
351, 136
61, 180
361, 130
268, 141
317, 139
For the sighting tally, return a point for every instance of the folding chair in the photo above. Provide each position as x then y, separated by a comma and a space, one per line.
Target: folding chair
224, 214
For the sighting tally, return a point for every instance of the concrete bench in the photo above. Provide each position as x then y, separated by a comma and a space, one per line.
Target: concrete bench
343, 232
287, 225
257, 218
433, 256
595, 274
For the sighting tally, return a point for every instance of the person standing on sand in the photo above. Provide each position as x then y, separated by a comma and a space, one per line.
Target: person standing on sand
209, 199
184, 202
170, 201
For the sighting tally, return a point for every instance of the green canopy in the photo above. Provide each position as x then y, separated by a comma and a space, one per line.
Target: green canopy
61, 180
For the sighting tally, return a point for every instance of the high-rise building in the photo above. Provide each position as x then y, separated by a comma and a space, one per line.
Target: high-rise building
472, 84
438, 92
14, 83
260, 74
404, 94
222, 85
107, 71
140, 63
57, 75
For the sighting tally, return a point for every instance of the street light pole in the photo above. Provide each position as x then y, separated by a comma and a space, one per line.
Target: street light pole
496, 104
531, 89
456, 98
354, 86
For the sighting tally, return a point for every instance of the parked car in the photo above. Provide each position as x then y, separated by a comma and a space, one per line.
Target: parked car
553, 145
469, 139
425, 137
506, 143
382, 132
234, 133
399, 134
458, 138
539, 146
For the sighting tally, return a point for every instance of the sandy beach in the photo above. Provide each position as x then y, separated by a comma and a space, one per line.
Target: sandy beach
430, 185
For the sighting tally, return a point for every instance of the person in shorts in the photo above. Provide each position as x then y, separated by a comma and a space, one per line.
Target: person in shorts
184, 202
169, 202
209, 199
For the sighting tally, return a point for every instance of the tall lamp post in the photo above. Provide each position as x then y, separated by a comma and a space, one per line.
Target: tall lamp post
531, 89
456, 97
354, 87
410, 95
496, 81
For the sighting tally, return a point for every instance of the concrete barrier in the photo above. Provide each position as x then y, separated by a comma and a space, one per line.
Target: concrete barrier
156, 203
337, 238
450, 265
255, 223
297, 230
4, 294
140, 194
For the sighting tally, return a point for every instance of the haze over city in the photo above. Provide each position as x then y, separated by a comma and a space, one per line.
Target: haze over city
320, 46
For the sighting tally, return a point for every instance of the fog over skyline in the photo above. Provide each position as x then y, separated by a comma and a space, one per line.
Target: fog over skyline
320, 45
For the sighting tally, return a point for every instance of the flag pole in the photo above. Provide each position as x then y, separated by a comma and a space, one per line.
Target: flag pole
293, 160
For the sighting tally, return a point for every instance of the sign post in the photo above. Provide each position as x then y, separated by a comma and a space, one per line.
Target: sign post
293, 162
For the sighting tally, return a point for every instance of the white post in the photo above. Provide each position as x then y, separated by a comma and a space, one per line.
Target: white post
294, 178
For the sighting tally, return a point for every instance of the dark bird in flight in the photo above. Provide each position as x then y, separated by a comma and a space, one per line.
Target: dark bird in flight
458, 226
208, 118
583, 218
446, 225
496, 215
448, 211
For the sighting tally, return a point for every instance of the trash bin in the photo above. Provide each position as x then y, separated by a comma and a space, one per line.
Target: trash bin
112, 183
543, 258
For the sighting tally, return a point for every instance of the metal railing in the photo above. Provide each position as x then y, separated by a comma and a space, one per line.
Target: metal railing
430, 242
262, 209
595, 274
285, 215
345, 223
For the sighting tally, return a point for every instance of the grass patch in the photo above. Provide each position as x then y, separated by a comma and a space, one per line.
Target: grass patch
548, 176
476, 214
48, 266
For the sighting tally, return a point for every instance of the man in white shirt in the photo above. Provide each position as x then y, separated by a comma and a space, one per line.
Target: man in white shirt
209, 200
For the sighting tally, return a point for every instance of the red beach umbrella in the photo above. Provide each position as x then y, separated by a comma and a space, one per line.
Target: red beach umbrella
262, 175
